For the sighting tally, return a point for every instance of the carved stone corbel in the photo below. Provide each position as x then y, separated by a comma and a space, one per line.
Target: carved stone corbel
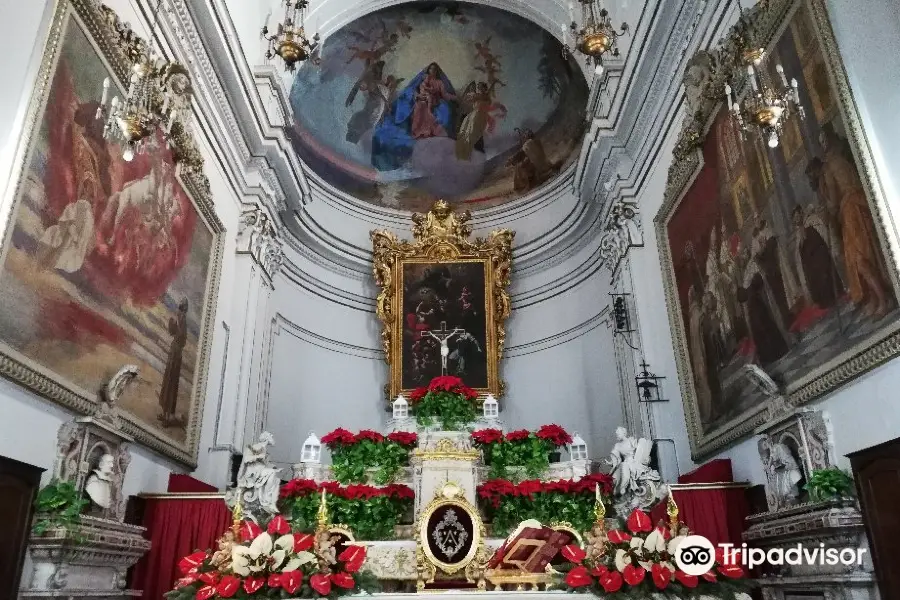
258, 237
621, 232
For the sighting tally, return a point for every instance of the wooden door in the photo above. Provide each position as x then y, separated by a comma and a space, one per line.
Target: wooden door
19, 484
877, 473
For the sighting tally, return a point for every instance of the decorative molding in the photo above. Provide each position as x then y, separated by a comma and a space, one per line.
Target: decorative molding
258, 237
622, 231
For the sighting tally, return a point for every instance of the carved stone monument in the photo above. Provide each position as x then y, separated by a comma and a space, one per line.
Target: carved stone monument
91, 559
635, 484
792, 445
258, 482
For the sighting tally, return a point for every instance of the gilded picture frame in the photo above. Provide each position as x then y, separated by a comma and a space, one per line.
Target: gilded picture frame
117, 47
705, 82
472, 277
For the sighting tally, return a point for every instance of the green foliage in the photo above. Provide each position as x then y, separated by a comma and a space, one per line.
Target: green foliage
350, 463
58, 504
369, 518
452, 410
827, 484
531, 454
546, 507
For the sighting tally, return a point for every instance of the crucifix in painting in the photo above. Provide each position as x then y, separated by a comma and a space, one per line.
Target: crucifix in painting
443, 336
443, 301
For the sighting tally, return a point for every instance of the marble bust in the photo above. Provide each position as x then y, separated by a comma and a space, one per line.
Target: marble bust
99, 484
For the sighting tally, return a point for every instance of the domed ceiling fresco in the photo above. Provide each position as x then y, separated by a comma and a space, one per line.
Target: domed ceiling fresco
439, 100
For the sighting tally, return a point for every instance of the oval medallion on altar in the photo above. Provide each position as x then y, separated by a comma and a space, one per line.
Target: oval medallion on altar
450, 534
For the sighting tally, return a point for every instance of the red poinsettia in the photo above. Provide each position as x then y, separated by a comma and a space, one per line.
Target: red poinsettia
487, 436
517, 435
305, 487
554, 434
370, 435
404, 438
338, 437
298, 487
417, 394
589, 484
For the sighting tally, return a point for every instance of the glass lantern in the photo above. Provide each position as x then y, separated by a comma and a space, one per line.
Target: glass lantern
578, 448
401, 408
312, 449
491, 407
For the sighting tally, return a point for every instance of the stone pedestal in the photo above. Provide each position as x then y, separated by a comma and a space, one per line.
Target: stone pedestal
86, 564
442, 457
826, 525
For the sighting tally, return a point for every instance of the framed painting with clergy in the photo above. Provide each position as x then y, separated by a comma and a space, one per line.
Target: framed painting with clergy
108, 259
443, 302
774, 248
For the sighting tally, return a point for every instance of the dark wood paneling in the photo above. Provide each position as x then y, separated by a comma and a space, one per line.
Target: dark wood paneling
877, 474
19, 484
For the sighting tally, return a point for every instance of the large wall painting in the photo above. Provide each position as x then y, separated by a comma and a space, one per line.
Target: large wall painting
106, 262
775, 257
439, 100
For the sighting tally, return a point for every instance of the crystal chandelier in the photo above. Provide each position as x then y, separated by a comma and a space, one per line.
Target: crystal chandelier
290, 41
771, 100
597, 35
158, 96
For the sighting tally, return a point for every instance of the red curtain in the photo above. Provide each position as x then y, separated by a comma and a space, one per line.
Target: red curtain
177, 527
715, 513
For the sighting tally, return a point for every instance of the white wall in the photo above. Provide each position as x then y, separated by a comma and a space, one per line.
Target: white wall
866, 411
29, 427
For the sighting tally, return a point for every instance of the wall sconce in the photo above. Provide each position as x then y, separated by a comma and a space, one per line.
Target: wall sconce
622, 318
648, 385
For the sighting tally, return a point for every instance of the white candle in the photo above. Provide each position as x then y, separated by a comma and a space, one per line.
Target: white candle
105, 96
780, 70
752, 73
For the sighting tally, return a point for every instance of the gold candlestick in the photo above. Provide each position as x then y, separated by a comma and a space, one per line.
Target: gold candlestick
322, 516
672, 511
237, 515
599, 508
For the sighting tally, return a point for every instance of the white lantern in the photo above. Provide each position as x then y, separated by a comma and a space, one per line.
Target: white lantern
312, 449
491, 407
401, 408
578, 448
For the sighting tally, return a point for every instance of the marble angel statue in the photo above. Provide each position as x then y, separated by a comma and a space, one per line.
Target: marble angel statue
635, 484
258, 480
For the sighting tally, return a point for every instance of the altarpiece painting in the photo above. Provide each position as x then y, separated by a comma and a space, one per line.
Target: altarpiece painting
443, 290
774, 258
107, 262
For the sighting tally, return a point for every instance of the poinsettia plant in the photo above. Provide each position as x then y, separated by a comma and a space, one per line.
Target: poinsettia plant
528, 450
371, 512
447, 401
641, 561
354, 455
271, 563
507, 504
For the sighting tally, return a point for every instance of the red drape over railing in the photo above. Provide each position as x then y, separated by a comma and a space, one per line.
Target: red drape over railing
709, 503
177, 525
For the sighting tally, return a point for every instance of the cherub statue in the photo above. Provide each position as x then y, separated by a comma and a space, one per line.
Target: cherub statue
221, 559
441, 222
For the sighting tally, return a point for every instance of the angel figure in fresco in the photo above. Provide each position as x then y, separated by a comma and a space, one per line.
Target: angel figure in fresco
481, 118
65, 245
530, 165
379, 93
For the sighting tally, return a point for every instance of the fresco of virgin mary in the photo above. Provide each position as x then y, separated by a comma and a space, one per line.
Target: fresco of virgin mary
425, 108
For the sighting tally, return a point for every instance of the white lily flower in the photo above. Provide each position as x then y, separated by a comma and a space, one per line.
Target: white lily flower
622, 560
674, 543
655, 542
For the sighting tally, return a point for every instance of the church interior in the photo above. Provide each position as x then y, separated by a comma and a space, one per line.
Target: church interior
318, 298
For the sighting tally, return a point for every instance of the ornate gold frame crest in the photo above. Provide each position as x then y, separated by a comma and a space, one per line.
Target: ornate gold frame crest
473, 563
442, 236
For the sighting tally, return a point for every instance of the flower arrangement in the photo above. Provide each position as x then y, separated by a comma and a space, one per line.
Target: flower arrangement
829, 484
371, 512
508, 504
275, 563
353, 455
529, 450
641, 562
446, 400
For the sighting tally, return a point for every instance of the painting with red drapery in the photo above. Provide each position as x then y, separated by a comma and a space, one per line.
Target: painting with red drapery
107, 262
776, 270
